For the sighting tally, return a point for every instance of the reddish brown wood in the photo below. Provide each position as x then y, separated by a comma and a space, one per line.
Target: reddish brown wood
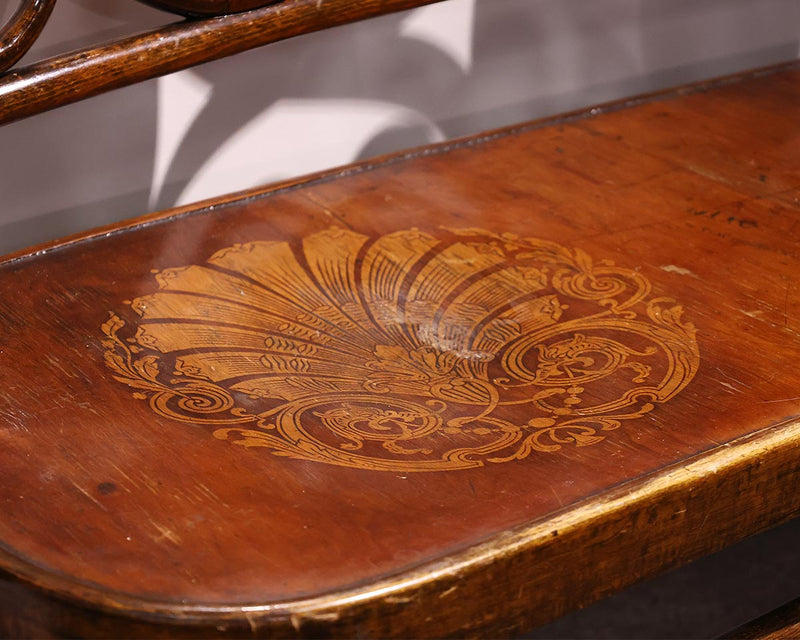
88, 72
22, 29
116, 501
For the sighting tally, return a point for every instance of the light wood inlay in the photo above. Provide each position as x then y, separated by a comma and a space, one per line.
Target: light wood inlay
407, 352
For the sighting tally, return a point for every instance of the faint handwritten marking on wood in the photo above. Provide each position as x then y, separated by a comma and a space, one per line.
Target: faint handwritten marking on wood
742, 223
404, 352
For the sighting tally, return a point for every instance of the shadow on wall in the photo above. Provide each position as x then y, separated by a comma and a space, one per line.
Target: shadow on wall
86, 164
351, 93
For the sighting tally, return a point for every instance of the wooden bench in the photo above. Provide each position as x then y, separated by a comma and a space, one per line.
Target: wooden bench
459, 390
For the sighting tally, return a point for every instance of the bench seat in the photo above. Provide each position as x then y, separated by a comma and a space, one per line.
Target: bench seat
460, 390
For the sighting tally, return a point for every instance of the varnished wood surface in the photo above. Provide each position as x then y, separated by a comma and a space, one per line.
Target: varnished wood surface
781, 624
22, 29
80, 74
117, 499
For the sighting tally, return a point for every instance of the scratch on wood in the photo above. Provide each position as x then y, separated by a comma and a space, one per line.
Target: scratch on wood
734, 380
252, 622
89, 495
444, 594
398, 599
208, 492
126, 476
557, 497
166, 534
786, 307
297, 618
327, 211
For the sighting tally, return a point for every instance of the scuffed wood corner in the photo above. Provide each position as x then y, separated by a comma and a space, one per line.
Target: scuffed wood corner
588, 551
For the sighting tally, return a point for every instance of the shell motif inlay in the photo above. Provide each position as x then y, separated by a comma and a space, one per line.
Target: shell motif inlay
404, 352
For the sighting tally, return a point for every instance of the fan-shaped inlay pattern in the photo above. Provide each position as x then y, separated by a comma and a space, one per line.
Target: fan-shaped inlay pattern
406, 352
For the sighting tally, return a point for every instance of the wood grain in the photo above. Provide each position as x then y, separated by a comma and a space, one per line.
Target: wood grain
22, 29
68, 78
124, 509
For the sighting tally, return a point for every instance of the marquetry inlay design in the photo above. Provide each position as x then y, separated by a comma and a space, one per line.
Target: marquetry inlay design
405, 352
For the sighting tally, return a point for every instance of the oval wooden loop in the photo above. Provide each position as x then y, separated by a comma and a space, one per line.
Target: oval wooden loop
22, 29
208, 7
87, 72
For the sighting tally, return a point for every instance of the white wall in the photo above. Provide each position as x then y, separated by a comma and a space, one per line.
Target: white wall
330, 98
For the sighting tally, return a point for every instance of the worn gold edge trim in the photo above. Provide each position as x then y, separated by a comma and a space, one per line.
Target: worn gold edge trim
524, 538
355, 168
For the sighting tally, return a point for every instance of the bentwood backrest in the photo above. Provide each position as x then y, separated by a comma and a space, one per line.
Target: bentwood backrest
213, 29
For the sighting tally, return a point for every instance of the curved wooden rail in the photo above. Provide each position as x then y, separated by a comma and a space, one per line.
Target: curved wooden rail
87, 72
22, 30
208, 7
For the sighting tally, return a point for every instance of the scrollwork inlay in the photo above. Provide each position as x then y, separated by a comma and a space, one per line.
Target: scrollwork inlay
404, 352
